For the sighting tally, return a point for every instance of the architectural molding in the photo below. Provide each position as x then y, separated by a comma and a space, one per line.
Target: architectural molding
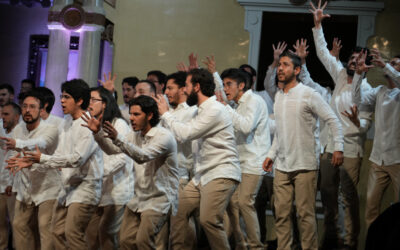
366, 12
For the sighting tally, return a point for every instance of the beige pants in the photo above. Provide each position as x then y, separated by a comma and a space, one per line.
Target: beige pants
69, 225
378, 180
300, 186
348, 175
26, 218
213, 198
103, 229
139, 230
6, 218
242, 204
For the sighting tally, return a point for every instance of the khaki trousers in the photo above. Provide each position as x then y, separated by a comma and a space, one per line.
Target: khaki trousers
378, 180
139, 230
242, 204
348, 175
26, 218
103, 229
6, 218
300, 186
69, 225
213, 199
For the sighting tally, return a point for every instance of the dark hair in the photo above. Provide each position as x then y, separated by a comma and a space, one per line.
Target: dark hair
16, 108
151, 84
79, 90
358, 49
205, 79
148, 105
252, 70
36, 94
295, 60
7, 86
48, 97
239, 76
178, 77
131, 81
111, 111
160, 75
397, 56
30, 81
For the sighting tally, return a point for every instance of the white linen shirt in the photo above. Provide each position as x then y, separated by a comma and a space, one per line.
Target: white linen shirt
6, 178
294, 147
34, 186
386, 103
118, 179
81, 163
354, 137
184, 113
54, 120
212, 126
155, 168
251, 126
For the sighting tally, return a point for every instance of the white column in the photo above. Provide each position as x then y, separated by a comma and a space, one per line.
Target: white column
57, 63
89, 54
253, 22
365, 29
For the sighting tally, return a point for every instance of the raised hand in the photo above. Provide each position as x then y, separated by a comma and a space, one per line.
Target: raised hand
336, 47
278, 50
9, 142
301, 49
112, 133
353, 116
108, 83
193, 64
210, 63
267, 165
161, 103
377, 58
91, 122
182, 67
318, 13
360, 63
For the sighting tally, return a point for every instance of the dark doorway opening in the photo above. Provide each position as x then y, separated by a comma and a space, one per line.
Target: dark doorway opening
291, 26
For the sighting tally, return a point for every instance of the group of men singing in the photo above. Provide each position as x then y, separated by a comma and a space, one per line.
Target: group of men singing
189, 152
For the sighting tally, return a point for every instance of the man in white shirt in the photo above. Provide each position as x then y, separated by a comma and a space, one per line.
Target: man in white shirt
118, 181
153, 149
10, 117
36, 191
217, 171
293, 152
81, 163
49, 99
175, 92
250, 121
385, 155
354, 138
128, 93
159, 79
145, 87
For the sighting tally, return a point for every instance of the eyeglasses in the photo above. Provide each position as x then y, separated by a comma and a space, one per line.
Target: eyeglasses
93, 100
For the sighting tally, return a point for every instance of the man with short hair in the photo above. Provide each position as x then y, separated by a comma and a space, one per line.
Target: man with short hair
250, 121
27, 85
81, 163
36, 191
293, 152
348, 174
217, 169
145, 87
128, 93
48, 99
385, 155
6, 93
10, 118
153, 149
159, 79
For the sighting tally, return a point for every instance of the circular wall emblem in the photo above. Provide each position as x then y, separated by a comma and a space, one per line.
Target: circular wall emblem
72, 17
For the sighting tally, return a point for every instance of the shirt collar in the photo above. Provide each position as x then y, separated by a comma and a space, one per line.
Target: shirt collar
208, 102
